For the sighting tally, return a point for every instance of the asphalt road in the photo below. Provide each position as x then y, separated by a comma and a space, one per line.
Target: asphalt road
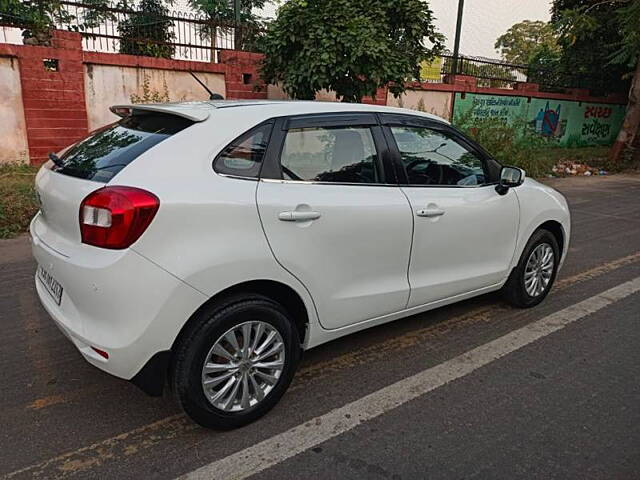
563, 404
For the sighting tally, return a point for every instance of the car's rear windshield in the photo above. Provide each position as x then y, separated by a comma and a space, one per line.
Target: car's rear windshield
105, 152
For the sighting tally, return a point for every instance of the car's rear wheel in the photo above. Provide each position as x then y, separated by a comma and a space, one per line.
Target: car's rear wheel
235, 362
533, 277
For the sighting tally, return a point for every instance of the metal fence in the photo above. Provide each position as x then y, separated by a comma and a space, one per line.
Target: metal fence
490, 73
499, 74
179, 35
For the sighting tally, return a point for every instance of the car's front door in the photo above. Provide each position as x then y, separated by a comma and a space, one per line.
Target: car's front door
334, 218
464, 231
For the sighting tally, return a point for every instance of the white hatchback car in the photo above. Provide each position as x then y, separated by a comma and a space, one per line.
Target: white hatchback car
205, 245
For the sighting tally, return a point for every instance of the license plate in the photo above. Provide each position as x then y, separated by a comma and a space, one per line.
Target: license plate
51, 284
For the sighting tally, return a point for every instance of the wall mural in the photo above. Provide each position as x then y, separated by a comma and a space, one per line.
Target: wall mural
573, 124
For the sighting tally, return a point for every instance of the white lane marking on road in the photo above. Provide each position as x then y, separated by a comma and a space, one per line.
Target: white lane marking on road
298, 439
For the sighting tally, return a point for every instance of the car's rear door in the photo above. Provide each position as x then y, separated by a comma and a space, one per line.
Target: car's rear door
335, 217
464, 231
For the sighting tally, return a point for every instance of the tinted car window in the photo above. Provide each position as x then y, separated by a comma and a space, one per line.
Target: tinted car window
244, 156
340, 155
105, 152
432, 158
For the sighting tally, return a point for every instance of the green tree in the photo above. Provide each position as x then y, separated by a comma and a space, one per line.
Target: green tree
628, 55
524, 40
221, 16
38, 18
349, 46
589, 34
543, 67
147, 31
606, 32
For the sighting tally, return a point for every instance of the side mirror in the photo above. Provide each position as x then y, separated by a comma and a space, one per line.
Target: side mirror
509, 177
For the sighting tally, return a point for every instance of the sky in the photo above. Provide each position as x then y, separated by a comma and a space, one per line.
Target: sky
485, 20
482, 23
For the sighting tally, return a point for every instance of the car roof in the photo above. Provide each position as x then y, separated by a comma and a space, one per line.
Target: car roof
200, 111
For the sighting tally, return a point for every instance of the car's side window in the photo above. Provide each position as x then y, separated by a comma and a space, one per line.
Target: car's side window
344, 154
243, 157
431, 157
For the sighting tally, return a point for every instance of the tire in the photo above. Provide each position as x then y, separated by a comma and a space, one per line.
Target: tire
208, 328
515, 291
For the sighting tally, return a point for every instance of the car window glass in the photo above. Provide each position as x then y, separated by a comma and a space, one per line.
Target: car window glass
106, 151
340, 154
432, 158
244, 156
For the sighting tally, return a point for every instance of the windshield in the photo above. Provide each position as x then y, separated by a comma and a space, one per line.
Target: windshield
106, 151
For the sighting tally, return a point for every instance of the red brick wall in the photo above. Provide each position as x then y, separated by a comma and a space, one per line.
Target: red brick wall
242, 78
54, 106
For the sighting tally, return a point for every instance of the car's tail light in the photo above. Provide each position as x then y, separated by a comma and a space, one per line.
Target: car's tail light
115, 217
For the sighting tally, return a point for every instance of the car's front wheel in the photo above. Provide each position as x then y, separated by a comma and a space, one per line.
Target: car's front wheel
533, 277
235, 362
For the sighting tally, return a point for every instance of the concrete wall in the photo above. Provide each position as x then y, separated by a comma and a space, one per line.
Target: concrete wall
437, 103
107, 85
13, 131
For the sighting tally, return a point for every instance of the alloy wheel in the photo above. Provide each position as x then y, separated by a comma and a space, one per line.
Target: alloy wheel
243, 366
539, 269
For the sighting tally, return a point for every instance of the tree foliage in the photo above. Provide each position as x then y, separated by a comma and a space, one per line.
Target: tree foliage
543, 67
628, 49
349, 46
590, 34
222, 13
38, 17
147, 32
524, 40
223, 10
605, 31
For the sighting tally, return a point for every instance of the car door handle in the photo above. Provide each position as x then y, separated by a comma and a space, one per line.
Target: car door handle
430, 212
297, 216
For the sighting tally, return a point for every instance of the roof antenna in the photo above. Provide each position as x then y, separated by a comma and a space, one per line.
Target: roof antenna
212, 96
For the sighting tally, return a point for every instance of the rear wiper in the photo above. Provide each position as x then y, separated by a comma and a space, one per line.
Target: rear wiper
56, 159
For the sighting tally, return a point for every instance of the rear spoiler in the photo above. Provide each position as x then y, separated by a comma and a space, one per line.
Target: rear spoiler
194, 112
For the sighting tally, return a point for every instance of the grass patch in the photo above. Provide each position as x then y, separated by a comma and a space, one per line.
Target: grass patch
18, 202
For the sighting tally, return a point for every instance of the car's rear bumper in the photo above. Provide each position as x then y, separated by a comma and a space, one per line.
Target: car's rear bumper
116, 301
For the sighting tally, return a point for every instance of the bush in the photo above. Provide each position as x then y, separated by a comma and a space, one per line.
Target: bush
514, 143
147, 32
